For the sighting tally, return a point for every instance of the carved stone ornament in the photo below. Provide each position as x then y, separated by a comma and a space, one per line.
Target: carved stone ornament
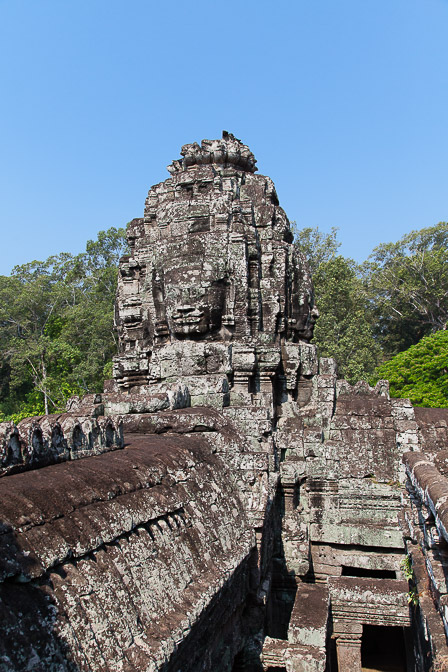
212, 261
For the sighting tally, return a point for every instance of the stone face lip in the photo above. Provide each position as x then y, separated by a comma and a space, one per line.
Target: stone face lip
226, 152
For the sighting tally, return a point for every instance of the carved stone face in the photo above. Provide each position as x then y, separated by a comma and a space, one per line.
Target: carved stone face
307, 317
192, 280
304, 313
212, 260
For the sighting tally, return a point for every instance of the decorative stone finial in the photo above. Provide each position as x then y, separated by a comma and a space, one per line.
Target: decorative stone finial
226, 152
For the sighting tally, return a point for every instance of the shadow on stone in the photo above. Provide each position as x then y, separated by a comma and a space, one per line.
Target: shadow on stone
284, 584
28, 636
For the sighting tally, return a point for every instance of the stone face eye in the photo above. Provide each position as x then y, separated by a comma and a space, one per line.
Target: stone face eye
204, 187
199, 225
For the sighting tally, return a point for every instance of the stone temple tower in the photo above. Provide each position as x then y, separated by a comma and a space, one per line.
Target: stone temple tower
213, 286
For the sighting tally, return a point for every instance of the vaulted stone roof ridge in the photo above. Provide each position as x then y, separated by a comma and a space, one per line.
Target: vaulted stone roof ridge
229, 151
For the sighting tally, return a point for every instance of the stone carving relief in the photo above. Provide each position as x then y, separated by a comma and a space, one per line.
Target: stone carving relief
212, 261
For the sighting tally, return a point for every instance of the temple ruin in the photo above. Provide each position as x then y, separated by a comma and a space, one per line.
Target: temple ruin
227, 503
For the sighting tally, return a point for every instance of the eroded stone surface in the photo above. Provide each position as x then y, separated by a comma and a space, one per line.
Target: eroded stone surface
37, 442
128, 550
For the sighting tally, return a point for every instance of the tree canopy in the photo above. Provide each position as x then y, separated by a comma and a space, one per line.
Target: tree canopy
317, 247
371, 312
344, 329
408, 285
56, 327
419, 373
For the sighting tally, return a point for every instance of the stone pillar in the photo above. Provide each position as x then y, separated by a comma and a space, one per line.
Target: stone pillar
265, 379
243, 370
348, 636
289, 492
268, 360
348, 649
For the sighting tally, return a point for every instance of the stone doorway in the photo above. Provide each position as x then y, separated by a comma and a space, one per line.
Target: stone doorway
383, 649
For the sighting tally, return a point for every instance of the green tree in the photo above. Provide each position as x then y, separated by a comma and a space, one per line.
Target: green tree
344, 329
408, 283
419, 373
56, 326
29, 299
317, 246
90, 321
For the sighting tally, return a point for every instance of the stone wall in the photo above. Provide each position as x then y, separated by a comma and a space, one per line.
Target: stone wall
40, 441
111, 561
425, 525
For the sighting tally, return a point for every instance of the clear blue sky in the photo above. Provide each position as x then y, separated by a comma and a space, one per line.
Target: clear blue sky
343, 102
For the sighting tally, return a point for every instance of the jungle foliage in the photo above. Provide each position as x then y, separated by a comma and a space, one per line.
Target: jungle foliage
420, 373
56, 327
408, 285
377, 311
345, 328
